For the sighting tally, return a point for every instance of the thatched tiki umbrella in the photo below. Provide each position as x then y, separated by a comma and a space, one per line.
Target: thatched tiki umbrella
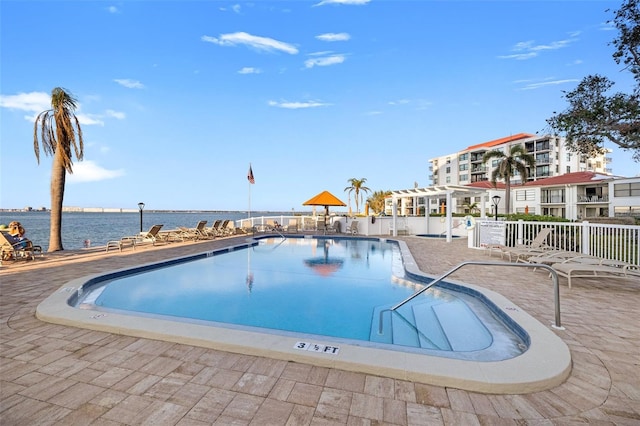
326, 199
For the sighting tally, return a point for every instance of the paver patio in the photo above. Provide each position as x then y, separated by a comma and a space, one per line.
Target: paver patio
53, 374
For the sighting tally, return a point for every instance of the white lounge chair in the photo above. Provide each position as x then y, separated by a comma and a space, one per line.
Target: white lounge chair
534, 247
573, 269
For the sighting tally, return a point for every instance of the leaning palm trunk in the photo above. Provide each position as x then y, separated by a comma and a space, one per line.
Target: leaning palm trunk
58, 177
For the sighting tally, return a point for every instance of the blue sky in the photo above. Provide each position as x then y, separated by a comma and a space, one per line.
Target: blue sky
177, 98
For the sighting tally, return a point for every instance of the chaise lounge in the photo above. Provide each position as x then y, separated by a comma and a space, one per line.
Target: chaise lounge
14, 248
576, 269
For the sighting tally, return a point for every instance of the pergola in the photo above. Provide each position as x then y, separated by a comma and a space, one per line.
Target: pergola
448, 191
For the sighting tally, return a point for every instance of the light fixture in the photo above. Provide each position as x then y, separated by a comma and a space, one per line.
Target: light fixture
141, 207
496, 201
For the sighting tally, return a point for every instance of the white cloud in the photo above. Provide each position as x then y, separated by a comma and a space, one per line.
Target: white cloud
259, 43
297, 105
89, 171
333, 37
236, 8
250, 70
89, 119
324, 61
115, 114
130, 84
548, 82
113, 9
35, 102
355, 2
528, 49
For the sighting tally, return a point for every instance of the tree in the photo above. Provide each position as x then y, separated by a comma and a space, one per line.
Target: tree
594, 116
376, 201
518, 161
357, 185
59, 131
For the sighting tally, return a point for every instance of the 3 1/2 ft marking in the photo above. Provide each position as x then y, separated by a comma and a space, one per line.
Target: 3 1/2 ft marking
317, 347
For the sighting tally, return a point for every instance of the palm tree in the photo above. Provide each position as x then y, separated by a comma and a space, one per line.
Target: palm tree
59, 132
517, 161
357, 185
376, 201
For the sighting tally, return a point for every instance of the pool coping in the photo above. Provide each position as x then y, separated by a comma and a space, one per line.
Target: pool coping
546, 364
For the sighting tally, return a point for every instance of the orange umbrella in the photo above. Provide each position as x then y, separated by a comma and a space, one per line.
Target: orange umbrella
326, 199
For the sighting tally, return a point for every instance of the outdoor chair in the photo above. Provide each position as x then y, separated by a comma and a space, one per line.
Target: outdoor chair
14, 248
534, 247
576, 268
353, 228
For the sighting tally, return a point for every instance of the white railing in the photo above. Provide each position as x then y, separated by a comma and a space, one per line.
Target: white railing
616, 242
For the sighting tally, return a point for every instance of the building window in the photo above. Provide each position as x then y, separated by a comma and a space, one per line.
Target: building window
525, 195
463, 167
464, 157
448, 170
553, 196
542, 171
448, 180
568, 170
626, 189
464, 178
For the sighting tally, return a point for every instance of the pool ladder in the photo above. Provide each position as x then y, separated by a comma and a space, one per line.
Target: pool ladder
553, 274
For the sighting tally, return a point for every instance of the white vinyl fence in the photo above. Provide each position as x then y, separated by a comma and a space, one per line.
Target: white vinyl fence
618, 242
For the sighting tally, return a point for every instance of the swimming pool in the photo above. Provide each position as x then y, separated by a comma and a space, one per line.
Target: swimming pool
266, 289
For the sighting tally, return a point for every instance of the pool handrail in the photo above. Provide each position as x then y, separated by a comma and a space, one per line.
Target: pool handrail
552, 272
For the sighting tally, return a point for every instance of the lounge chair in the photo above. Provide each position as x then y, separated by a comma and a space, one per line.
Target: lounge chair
333, 228
532, 248
353, 228
145, 237
213, 230
14, 248
200, 231
225, 229
292, 226
577, 269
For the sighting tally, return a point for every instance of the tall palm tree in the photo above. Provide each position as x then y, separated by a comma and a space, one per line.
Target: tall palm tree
357, 185
517, 161
59, 132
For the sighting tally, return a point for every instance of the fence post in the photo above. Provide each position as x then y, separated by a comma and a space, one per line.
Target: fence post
520, 232
586, 236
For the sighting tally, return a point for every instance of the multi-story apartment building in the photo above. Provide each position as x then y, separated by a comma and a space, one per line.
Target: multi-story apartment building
552, 159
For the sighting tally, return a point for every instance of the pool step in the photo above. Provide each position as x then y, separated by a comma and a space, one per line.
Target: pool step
445, 326
464, 330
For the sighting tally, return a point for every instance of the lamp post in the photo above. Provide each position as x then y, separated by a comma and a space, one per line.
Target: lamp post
141, 207
496, 201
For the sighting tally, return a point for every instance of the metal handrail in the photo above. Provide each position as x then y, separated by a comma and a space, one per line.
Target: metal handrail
554, 277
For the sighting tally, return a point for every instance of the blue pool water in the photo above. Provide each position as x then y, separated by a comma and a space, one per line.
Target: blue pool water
337, 287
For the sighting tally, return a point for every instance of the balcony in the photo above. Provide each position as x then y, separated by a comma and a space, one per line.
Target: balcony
591, 199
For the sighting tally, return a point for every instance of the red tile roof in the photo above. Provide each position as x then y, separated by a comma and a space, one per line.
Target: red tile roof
570, 178
500, 141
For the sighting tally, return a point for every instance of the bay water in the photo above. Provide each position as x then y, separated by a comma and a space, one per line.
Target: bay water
89, 229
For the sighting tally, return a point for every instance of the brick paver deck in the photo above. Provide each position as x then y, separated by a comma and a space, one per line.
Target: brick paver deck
53, 374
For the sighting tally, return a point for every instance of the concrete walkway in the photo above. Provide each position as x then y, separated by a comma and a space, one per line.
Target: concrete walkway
52, 374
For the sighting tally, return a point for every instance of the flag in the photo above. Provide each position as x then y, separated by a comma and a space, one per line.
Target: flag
250, 175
